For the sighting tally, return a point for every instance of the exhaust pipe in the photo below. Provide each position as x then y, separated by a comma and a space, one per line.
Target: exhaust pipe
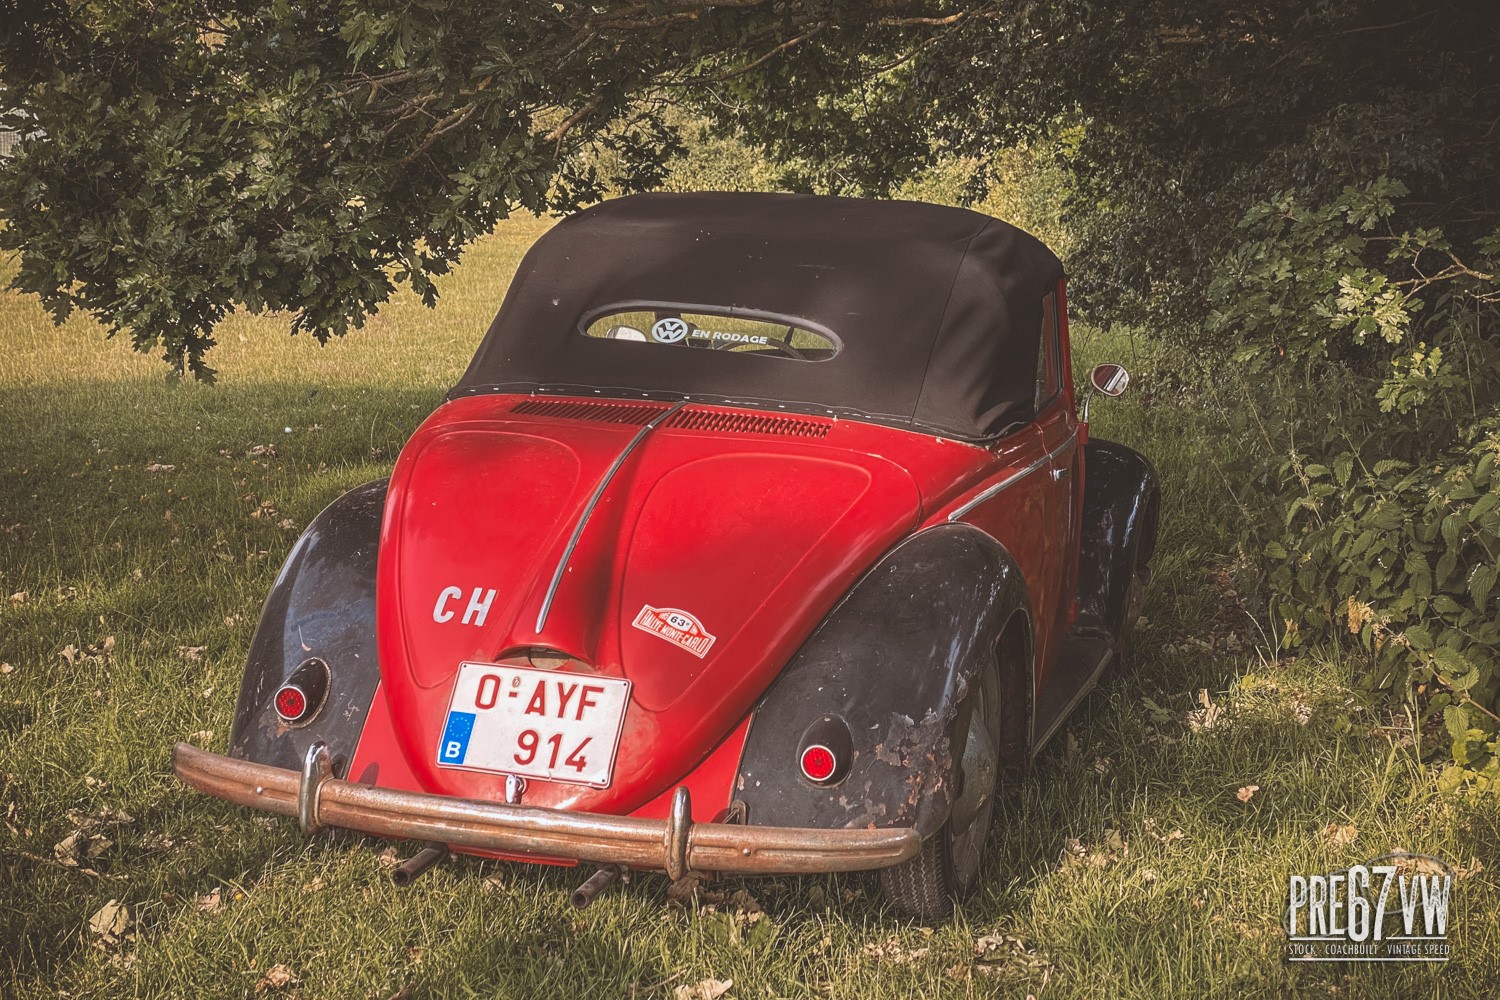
418, 863
597, 883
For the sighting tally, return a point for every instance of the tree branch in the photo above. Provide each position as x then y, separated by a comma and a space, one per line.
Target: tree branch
454, 119
742, 70
556, 135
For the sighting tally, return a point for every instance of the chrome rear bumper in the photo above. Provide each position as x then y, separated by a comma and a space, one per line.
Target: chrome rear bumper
676, 844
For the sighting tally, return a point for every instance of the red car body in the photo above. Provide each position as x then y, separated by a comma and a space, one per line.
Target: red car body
698, 547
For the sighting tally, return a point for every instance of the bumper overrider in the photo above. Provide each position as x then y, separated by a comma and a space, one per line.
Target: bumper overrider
675, 845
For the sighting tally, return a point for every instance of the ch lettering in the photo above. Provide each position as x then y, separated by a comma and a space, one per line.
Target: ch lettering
475, 613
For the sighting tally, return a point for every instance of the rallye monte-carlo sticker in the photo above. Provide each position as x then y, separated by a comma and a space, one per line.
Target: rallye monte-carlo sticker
677, 627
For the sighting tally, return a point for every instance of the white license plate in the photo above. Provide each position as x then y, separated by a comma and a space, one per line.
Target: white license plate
536, 723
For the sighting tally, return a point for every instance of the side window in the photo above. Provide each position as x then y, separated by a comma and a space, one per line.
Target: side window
1048, 356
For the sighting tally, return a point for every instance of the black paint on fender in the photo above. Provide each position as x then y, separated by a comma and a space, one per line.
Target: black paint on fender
893, 660
322, 605
1121, 498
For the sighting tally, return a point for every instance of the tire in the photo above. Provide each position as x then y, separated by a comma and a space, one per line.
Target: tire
947, 869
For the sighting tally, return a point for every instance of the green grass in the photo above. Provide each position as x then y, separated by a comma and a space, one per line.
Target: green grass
1177, 892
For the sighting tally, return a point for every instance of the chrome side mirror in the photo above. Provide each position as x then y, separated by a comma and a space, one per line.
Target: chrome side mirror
1110, 379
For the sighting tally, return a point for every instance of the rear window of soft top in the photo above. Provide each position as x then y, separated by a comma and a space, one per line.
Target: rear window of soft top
663, 325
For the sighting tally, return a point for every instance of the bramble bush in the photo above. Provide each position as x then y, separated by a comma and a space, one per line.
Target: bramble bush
1372, 381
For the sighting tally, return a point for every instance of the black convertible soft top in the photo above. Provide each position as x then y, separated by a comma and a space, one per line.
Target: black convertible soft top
937, 311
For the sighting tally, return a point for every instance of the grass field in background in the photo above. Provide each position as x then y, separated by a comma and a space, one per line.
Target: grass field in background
144, 522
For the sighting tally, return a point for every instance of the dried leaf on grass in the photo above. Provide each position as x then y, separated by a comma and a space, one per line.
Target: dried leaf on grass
105, 816
1246, 792
84, 843
110, 922
1002, 954
684, 891
997, 947
893, 951
80, 845
1207, 716
12, 822
706, 989
276, 977
1340, 834
1113, 849
1418, 864
1165, 839
100, 652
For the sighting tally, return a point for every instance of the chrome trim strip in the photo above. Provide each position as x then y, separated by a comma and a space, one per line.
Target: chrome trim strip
588, 509
1013, 478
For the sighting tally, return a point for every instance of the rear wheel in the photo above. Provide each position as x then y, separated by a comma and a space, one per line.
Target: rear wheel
927, 886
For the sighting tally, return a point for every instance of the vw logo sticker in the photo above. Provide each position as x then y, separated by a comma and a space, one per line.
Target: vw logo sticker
669, 330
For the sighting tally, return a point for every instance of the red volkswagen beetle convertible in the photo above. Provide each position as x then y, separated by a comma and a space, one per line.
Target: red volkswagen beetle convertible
761, 535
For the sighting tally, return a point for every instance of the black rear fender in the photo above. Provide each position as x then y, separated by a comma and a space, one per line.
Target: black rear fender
890, 665
322, 606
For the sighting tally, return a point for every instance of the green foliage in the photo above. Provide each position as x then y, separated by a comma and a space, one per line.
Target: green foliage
190, 159
185, 160
713, 161
1379, 526
1298, 283
1175, 118
1415, 379
1026, 186
1402, 558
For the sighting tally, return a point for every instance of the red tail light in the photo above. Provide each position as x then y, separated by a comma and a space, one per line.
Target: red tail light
825, 751
818, 763
291, 703
301, 698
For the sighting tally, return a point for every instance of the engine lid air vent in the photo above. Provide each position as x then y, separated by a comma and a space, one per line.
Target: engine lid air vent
572, 409
690, 418
696, 419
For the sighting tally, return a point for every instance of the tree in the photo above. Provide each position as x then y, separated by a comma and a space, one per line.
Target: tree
193, 157
199, 156
1174, 118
